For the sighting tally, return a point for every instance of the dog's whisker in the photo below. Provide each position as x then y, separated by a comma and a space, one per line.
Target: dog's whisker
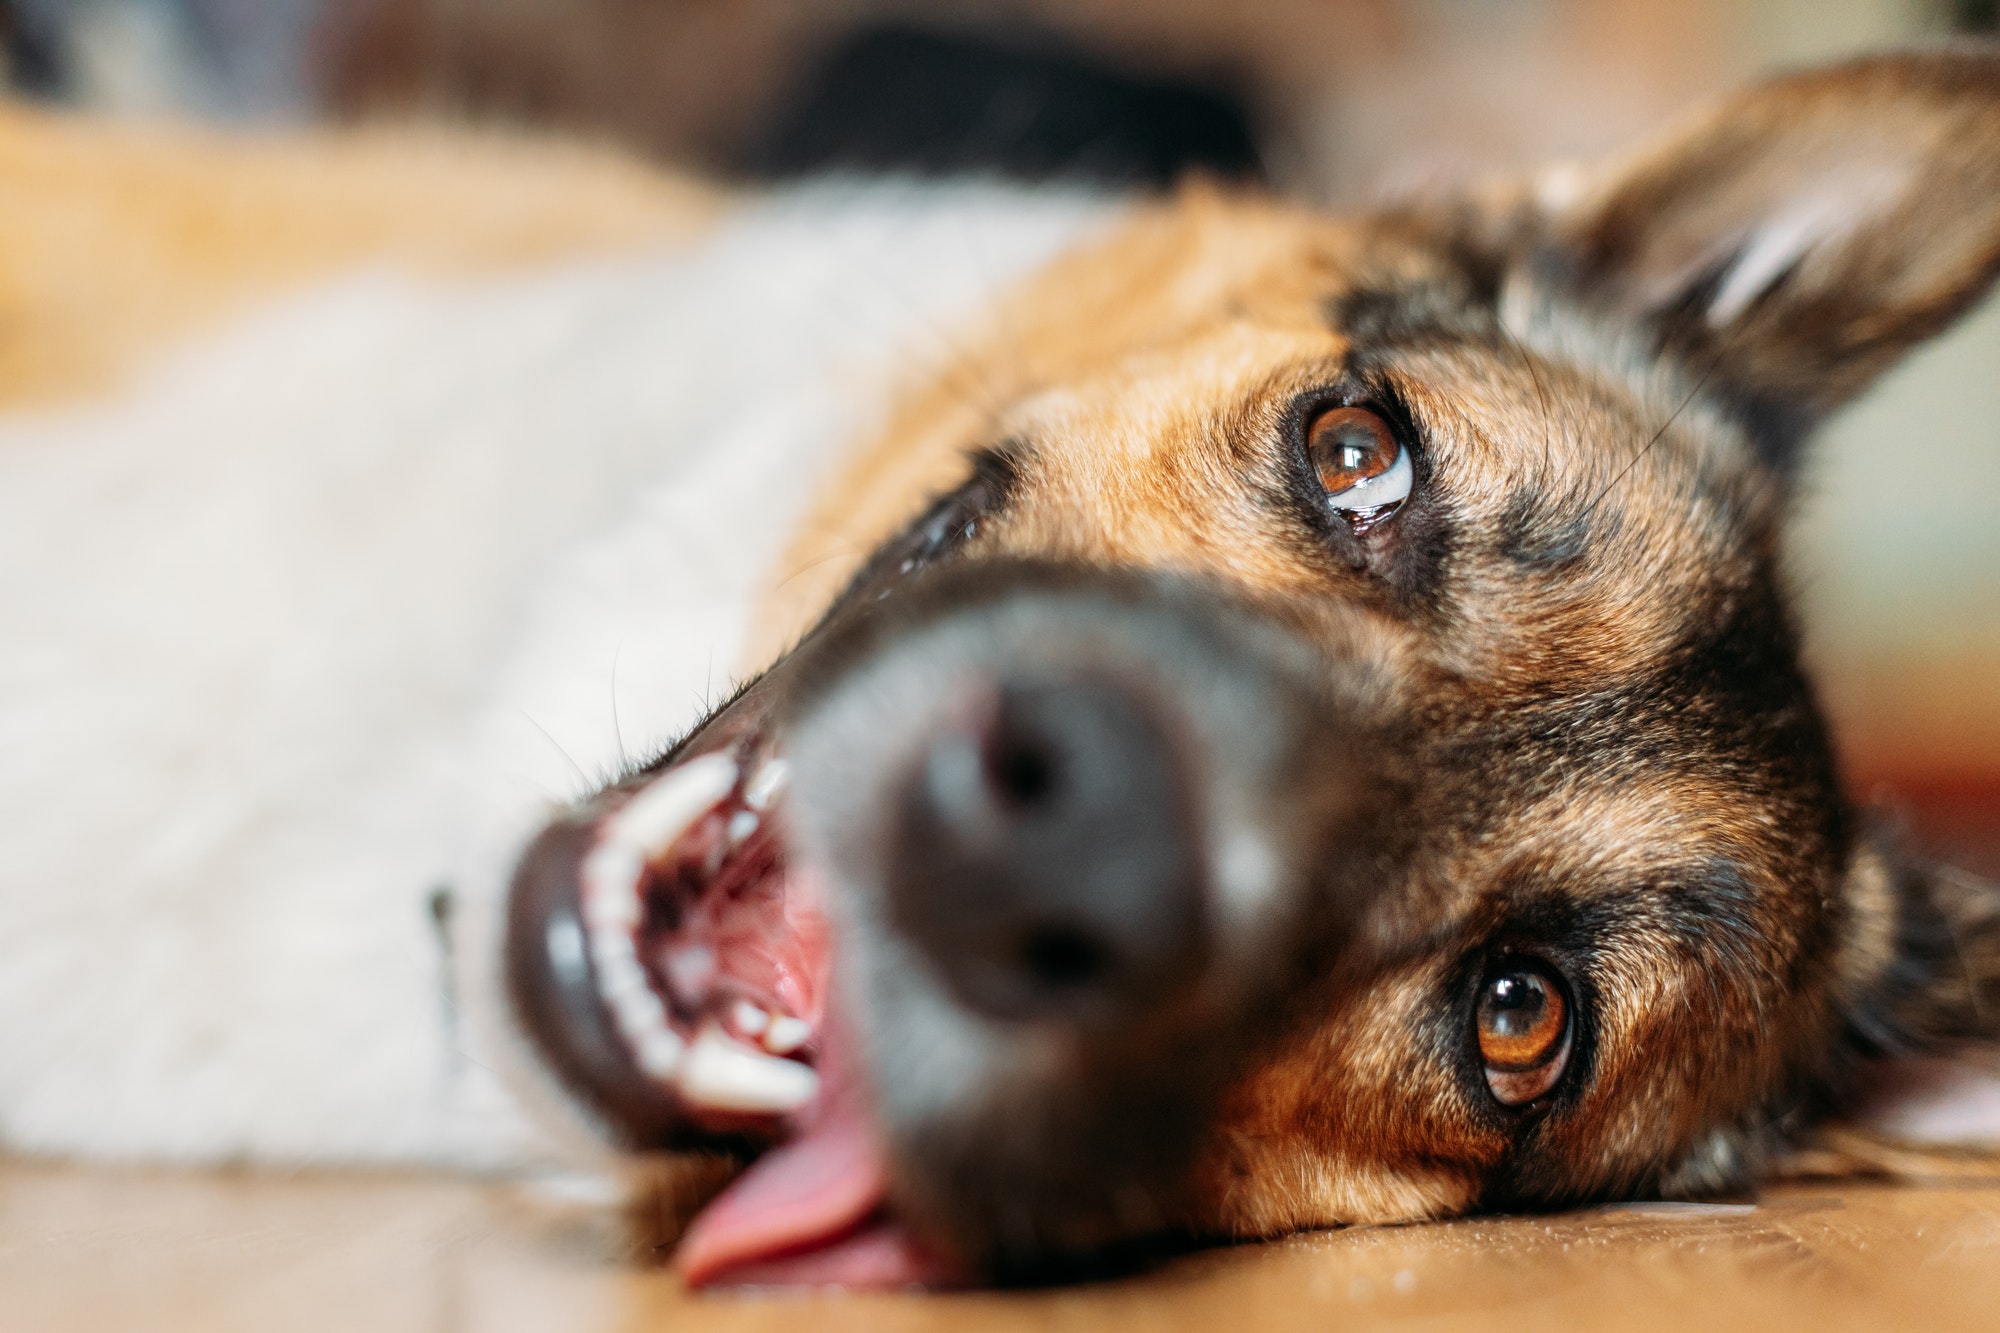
584, 781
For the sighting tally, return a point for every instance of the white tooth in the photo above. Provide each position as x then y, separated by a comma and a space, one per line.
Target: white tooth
660, 1053
749, 1019
662, 812
607, 947
741, 825
786, 1034
612, 870
618, 977
728, 1076
689, 971
764, 787
614, 913
640, 1013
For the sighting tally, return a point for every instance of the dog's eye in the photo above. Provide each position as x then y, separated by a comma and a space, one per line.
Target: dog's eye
1523, 1032
1361, 465
952, 520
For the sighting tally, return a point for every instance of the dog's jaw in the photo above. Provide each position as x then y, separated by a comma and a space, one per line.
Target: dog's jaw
673, 966
708, 958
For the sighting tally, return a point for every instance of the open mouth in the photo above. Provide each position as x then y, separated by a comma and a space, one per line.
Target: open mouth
707, 977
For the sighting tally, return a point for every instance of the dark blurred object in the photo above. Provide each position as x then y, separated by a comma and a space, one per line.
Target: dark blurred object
32, 50
1124, 93
900, 99
29, 45
231, 59
1344, 96
1975, 15
28, 62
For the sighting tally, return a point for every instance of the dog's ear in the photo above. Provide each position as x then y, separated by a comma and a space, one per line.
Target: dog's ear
1921, 1064
1794, 242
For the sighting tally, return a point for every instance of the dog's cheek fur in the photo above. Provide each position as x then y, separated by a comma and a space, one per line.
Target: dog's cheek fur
1687, 1063
1360, 1118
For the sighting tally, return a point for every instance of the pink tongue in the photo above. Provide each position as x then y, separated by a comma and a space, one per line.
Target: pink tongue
808, 1213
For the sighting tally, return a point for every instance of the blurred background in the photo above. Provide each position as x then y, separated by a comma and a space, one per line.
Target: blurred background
1898, 548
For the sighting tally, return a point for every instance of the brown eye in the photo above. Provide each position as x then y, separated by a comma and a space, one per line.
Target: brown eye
1523, 1033
1362, 467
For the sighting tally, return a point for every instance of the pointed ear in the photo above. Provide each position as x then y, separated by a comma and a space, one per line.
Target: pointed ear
1922, 1001
1796, 241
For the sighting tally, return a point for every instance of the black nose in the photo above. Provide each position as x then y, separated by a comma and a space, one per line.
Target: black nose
1046, 855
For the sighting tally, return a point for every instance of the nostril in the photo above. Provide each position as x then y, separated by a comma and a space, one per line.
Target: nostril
1044, 856
1024, 773
1060, 959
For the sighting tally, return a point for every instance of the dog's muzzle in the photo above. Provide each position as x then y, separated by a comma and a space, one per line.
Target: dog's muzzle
1043, 850
1079, 841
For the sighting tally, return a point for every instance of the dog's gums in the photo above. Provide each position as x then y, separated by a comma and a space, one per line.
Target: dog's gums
710, 960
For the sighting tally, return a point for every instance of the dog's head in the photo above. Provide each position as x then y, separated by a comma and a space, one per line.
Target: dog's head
1337, 749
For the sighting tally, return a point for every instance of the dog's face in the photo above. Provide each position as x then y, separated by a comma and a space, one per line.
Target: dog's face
1335, 752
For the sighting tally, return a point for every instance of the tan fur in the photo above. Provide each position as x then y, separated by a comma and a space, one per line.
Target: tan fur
1131, 367
1189, 288
115, 239
1135, 372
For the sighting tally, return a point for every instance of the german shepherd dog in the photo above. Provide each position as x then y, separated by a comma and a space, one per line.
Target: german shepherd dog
1303, 725
1323, 741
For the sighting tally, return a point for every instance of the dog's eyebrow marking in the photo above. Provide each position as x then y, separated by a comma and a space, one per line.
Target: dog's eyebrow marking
1539, 532
1410, 315
1711, 902
1604, 833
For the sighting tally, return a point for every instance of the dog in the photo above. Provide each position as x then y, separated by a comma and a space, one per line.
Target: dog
1291, 721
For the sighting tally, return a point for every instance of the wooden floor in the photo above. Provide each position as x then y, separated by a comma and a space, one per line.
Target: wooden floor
97, 1250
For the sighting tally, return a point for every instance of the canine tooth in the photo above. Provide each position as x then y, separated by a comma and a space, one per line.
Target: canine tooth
612, 869
786, 1034
665, 810
726, 1075
689, 971
767, 784
741, 825
660, 1053
749, 1020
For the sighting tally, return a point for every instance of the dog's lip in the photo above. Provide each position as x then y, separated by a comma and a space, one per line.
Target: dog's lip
812, 1209
554, 993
